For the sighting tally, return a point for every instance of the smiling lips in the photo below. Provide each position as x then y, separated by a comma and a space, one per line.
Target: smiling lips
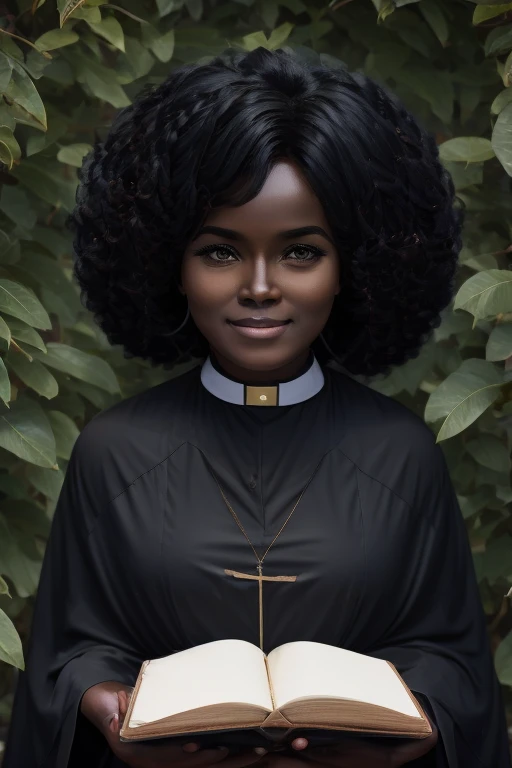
259, 327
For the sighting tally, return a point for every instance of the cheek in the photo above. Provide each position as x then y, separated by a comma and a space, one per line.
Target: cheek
314, 291
206, 289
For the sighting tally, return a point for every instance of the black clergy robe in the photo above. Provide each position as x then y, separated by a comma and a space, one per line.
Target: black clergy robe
141, 538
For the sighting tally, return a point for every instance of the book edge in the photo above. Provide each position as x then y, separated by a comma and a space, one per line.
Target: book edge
412, 698
125, 729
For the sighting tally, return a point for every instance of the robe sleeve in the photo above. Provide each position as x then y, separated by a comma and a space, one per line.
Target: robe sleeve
437, 638
79, 637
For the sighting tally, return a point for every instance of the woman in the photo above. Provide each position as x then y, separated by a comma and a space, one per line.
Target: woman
264, 216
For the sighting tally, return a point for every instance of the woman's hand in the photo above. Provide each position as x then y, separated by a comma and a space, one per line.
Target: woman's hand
106, 705
352, 753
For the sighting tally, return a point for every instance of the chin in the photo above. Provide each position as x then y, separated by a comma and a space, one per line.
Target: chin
262, 359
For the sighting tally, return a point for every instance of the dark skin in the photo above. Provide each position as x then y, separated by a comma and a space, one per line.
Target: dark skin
258, 268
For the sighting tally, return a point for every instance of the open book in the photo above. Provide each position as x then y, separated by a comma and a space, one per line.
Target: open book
231, 684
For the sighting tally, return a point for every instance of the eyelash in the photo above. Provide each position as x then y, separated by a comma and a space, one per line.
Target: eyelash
207, 250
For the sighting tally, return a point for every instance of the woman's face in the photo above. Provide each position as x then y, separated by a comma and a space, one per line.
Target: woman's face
262, 263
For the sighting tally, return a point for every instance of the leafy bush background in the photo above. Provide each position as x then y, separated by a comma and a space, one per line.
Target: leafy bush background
66, 67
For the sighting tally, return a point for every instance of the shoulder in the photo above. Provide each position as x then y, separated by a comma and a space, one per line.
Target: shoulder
386, 441
135, 434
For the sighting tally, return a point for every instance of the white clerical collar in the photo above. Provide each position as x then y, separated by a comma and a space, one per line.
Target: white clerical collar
297, 390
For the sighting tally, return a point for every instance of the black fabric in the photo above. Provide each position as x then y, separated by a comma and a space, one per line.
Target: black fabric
134, 568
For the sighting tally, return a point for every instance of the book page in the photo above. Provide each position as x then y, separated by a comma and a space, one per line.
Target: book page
306, 669
212, 673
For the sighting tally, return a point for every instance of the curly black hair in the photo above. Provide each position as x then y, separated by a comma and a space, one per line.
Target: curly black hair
208, 136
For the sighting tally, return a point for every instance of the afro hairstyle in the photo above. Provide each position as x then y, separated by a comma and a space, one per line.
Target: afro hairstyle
208, 136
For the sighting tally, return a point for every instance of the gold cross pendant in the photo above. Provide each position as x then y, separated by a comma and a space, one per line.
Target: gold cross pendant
260, 579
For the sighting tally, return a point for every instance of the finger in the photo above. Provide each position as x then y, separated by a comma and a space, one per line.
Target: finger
191, 746
111, 722
122, 698
260, 750
299, 743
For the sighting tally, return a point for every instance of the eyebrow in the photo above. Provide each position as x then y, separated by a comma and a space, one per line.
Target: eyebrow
231, 234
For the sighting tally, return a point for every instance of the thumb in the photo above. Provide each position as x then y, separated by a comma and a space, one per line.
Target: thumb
111, 722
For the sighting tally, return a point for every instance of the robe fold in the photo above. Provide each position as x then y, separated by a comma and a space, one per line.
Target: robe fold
141, 537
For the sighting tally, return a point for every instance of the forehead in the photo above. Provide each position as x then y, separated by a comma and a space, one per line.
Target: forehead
285, 199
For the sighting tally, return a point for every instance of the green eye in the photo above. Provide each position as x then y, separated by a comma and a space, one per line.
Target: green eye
305, 253
208, 251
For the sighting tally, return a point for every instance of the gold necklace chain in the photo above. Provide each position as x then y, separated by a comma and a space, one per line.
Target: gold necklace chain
260, 560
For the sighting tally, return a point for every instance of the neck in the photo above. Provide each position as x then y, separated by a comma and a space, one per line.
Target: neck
250, 376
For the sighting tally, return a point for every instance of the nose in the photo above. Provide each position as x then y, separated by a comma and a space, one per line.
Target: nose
258, 285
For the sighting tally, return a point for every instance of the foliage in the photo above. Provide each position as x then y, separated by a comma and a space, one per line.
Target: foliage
66, 67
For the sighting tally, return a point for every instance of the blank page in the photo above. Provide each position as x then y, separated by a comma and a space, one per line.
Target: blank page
310, 669
212, 673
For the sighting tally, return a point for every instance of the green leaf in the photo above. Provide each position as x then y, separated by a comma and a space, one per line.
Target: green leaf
437, 91
9, 249
49, 274
109, 29
13, 487
73, 154
436, 20
56, 38
38, 175
470, 149
501, 101
11, 650
5, 72
26, 432
136, 63
502, 138
486, 294
280, 35
101, 80
14, 202
465, 174
254, 40
65, 431
503, 660
468, 505
5, 332
98, 397
499, 346
22, 92
498, 41
33, 374
10, 150
10, 49
5, 384
463, 396
167, 6
40, 141
17, 556
21, 302
89, 368
482, 13
489, 451
46, 481
23, 332
506, 73
161, 45
67, 8
4, 589
195, 8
